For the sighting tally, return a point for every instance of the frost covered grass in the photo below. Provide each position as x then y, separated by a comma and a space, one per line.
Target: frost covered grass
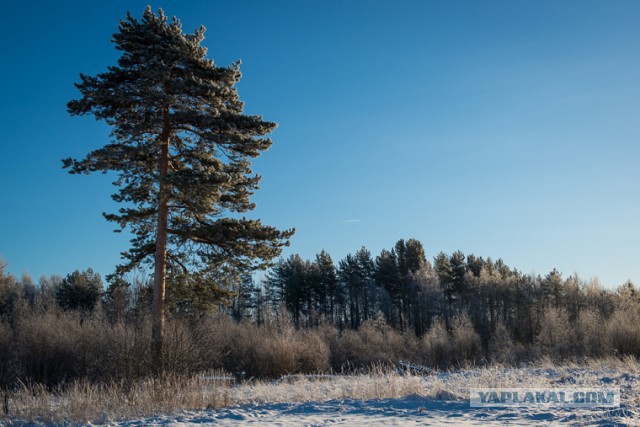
82, 402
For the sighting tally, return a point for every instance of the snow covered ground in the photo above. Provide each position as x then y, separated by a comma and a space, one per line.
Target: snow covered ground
407, 411
440, 399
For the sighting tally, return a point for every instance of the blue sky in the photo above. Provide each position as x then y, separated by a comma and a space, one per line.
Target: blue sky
501, 128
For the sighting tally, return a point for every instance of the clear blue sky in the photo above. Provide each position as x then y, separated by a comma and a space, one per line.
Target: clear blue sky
501, 128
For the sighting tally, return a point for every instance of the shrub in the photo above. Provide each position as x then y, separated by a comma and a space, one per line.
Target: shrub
592, 334
374, 343
465, 341
118, 350
346, 350
49, 347
557, 338
270, 350
313, 353
623, 332
7, 365
436, 346
501, 347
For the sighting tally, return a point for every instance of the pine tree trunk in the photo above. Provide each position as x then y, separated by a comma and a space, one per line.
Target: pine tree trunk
160, 273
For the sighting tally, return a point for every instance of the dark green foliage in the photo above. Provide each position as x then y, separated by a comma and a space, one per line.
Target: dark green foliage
289, 285
412, 263
458, 272
196, 293
444, 271
167, 103
309, 290
411, 257
387, 275
79, 291
474, 265
356, 273
327, 289
397, 272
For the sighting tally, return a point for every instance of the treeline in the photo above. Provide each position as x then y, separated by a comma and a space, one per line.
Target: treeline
313, 316
411, 294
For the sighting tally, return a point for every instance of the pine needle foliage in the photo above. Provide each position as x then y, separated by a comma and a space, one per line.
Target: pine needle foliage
181, 147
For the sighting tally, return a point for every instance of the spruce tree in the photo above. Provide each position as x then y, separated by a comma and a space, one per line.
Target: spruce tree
79, 291
181, 149
458, 272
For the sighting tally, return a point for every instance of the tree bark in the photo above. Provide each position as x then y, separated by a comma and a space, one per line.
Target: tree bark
160, 272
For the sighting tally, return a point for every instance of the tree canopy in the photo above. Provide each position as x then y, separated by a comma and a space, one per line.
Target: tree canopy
79, 291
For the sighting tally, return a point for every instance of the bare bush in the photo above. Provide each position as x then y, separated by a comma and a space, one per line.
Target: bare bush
501, 347
557, 338
346, 350
270, 350
181, 351
312, 352
465, 341
49, 347
374, 343
7, 366
116, 350
623, 332
436, 346
592, 334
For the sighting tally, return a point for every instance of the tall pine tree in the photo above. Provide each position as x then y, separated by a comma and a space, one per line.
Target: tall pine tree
181, 148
